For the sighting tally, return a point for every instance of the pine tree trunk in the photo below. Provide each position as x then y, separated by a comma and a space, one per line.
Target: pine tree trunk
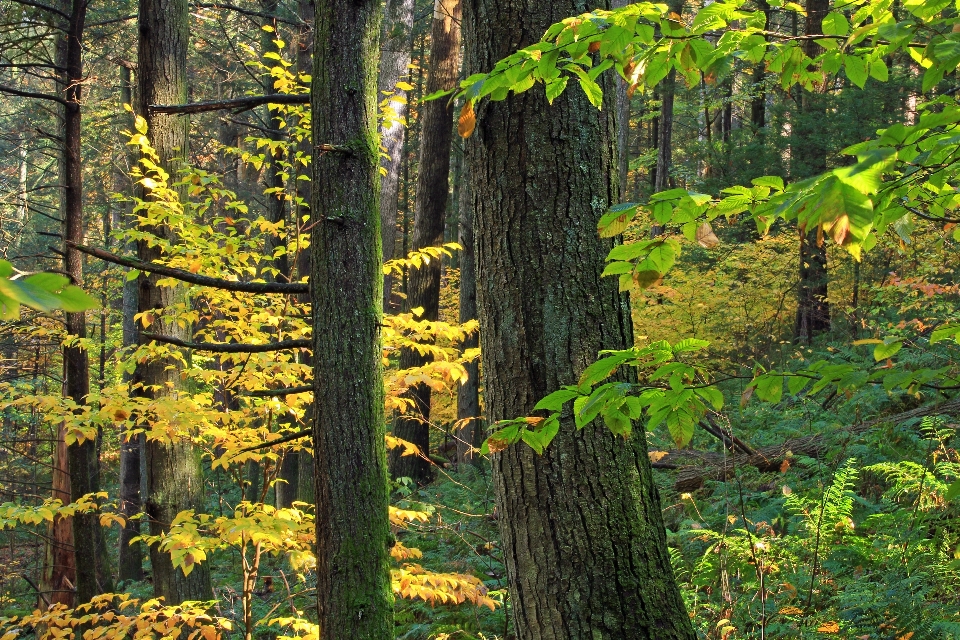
423, 290
130, 557
174, 471
468, 394
809, 158
354, 596
93, 576
583, 536
395, 51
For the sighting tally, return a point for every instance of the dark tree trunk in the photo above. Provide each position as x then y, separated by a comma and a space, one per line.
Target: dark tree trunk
583, 537
423, 288
809, 159
470, 433
302, 487
354, 596
396, 47
758, 105
174, 471
93, 575
130, 556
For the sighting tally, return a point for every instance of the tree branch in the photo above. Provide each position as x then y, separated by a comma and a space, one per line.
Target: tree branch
248, 102
37, 5
30, 94
246, 12
270, 443
270, 393
230, 347
193, 278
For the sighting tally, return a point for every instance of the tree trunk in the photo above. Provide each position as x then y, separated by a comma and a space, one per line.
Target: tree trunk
93, 576
303, 488
433, 189
809, 158
468, 394
174, 471
758, 105
395, 50
354, 596
583, 537
59, 563
130, 556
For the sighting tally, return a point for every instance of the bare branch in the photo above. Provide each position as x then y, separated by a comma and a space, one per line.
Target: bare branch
30, 94
248, 102
230, 347
241, 10
270, 393
270, 443
37, 5
193, 278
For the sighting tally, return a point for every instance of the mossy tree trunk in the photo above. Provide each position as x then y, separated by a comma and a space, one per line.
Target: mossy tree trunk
423, 289
174, 471
355, 600
583, 536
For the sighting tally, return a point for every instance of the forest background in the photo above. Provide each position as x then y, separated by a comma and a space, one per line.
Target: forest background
779, 180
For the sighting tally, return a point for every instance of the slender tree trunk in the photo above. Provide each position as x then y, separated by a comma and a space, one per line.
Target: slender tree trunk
623, 123
59, 563
130, 555
306, 10
809, 157
468, 394
423, 290
354, 597
174, 471
93, 575
583, 537
396, 47
758, 105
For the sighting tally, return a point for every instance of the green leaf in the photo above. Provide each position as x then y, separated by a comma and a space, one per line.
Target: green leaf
713, 396
952, 491
886, 349
6, 269
616, 219
555, 88
943, 333
618, 423
556, 400
835, 24
856, 70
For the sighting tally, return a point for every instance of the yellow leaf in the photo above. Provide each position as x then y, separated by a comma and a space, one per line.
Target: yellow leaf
829, 627
791, 611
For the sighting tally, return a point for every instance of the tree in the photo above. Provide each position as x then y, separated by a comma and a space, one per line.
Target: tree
423, 289
583, 538
353, 531
173, 468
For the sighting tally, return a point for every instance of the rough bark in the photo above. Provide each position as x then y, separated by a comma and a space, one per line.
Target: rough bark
468, 394
809, 157
93, 576
423, 288
395, 51
354, 597
59, 564
583, 537
130, 557
174, 471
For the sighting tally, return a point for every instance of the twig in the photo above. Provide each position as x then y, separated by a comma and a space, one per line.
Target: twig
230, 347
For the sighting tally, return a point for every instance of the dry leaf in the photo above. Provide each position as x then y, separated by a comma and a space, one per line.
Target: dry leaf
657, 456
706, 238
467, 121
829, 627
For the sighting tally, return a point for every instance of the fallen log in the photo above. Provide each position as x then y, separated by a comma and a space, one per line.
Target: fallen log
696, 467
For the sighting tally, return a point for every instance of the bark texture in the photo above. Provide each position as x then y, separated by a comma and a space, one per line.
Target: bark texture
354, 596
130, 557
395, 50
584, 543
423, 288
174, 471
93, 576
470, 434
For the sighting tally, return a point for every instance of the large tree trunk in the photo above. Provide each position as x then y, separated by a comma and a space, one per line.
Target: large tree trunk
174, 471
396, 47
583, 537
354, 597
423, 289
93, 576
809, 158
